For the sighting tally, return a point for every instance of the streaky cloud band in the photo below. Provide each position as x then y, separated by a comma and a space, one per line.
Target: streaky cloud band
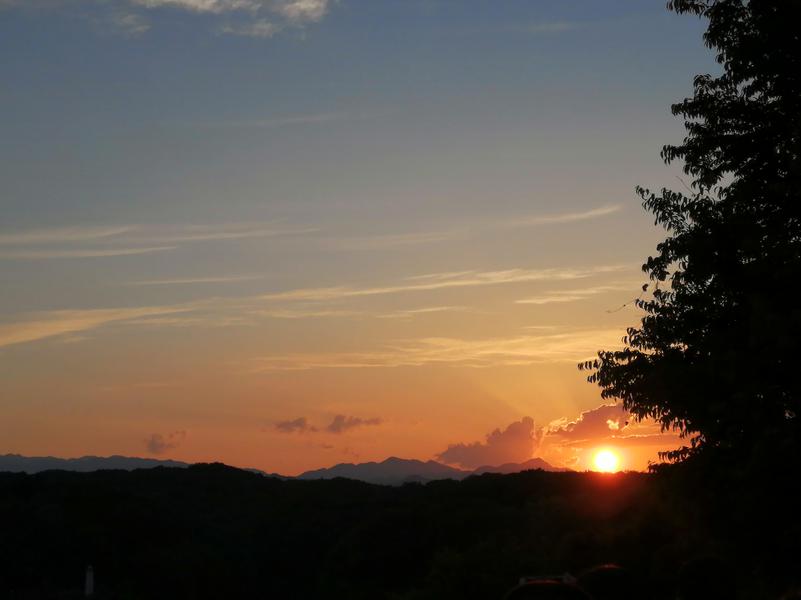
81, 253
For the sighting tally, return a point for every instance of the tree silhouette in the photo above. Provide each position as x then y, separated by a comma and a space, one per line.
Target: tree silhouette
714, 355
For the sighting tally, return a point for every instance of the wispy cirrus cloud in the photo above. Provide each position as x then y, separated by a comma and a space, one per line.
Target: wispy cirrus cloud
208, 320
439, 276
82, 253
519, 350
303, 313
318, 313
565, 217
304, 304
61, 235
277, 122
129, 240
577, 294
392, 240
289, 120
224, 231
194, 280
444, 281
426, 310
47, 324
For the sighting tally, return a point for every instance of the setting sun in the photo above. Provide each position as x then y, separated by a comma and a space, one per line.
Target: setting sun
606, 461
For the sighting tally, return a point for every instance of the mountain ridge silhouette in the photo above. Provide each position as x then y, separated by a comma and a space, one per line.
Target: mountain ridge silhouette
390, 471
396, 471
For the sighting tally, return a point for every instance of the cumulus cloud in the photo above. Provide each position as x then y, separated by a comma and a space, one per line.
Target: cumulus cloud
515, 444
597, 423
571, 442
339, 424
302, 10
253, 18
213, 6
128, 23
262, 28
159, 444
299, 425
342, 423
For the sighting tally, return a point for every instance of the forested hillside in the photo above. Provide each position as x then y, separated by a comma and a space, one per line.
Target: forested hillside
211, 531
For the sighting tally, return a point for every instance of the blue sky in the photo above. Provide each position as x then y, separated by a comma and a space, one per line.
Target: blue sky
219, 159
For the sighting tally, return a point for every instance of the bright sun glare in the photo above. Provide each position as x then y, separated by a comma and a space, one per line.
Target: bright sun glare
606, 461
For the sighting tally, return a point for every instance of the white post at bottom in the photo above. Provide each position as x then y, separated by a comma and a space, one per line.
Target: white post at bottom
89, 584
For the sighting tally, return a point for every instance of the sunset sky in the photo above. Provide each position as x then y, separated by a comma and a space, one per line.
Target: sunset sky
285, 234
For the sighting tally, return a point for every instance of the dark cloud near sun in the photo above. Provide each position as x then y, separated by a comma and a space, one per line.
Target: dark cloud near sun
342, 423
514, 444
338, 425
299, 425
159, 444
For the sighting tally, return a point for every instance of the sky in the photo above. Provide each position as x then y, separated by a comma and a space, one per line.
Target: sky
285, 234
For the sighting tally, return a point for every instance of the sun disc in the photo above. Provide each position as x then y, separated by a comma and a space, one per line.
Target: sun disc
606, 461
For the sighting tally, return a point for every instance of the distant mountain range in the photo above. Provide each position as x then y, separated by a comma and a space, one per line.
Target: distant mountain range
396, 471
530, 465
35, 464
392, 471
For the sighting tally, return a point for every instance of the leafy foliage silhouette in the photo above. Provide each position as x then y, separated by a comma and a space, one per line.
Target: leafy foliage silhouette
714, 355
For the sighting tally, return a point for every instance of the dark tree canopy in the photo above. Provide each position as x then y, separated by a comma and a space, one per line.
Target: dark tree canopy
715, 354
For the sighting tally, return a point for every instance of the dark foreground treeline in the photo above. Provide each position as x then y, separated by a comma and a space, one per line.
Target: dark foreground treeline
211, 531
